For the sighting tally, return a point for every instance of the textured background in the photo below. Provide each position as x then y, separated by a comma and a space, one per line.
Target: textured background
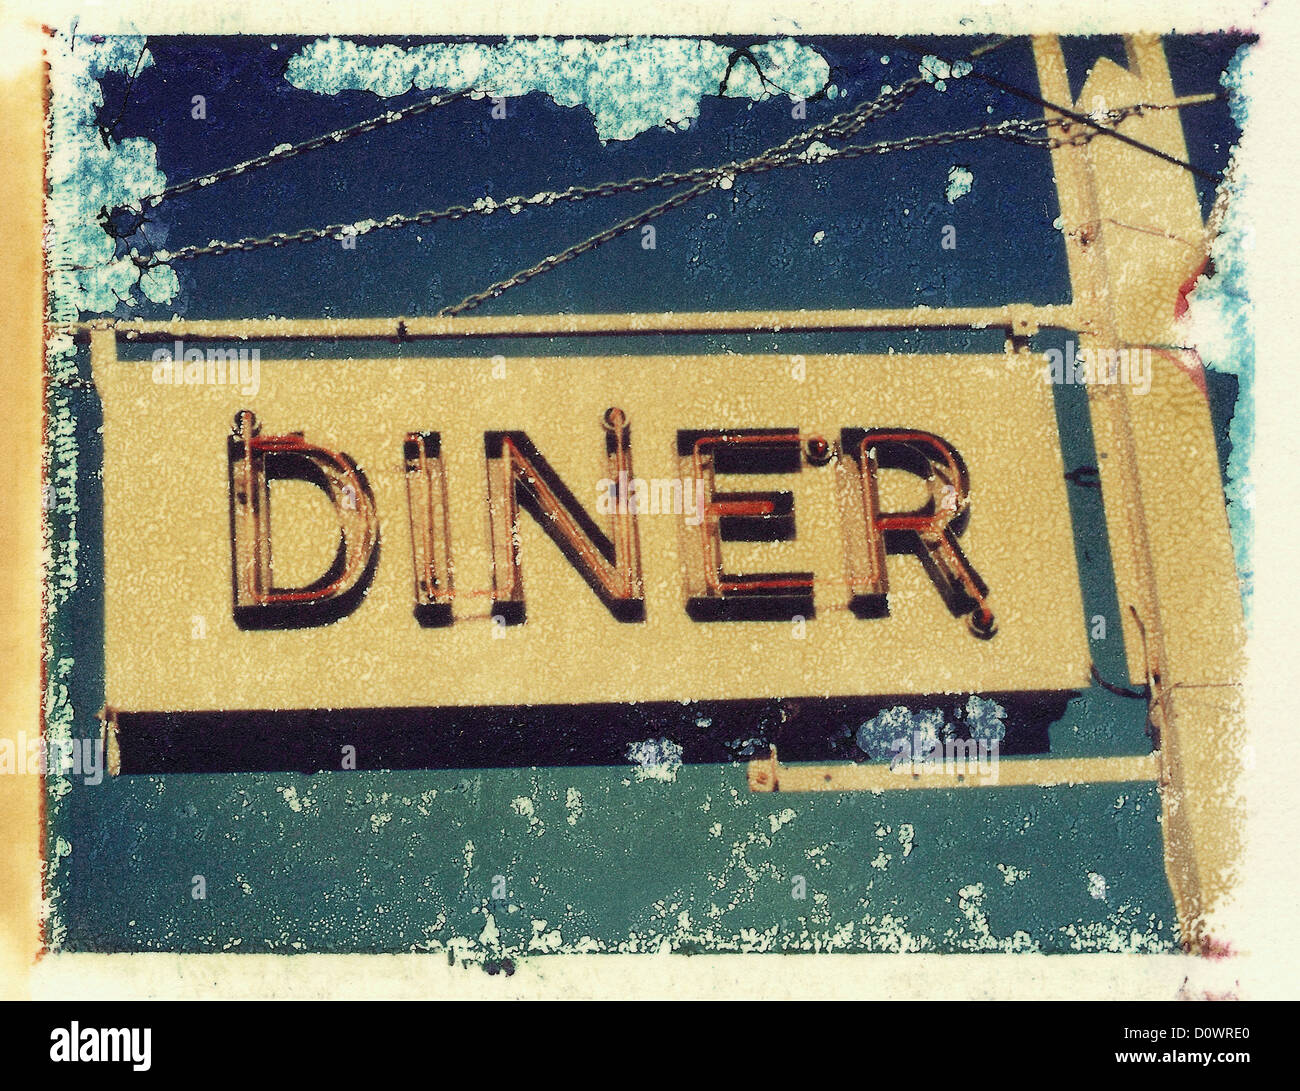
602, 858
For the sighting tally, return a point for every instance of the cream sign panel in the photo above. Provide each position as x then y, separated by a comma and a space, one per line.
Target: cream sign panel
488, 532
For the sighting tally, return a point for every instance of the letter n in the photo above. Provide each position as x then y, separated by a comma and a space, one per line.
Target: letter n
518, 476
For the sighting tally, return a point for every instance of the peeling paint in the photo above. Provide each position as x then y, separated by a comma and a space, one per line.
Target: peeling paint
960, 180
656, 759
629, 85
1219, 323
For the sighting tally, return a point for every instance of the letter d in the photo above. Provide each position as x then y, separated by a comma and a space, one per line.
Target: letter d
255, 460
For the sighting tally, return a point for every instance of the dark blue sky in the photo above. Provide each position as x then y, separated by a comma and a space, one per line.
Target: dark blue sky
882, 217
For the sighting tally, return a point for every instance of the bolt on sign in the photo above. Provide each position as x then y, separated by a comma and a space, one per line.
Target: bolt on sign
715, 535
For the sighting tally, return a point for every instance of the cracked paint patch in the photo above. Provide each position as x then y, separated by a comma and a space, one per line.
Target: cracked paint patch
1012, 874
960, 180
927, 728
656, 759
937, 72
628, 85
90, 170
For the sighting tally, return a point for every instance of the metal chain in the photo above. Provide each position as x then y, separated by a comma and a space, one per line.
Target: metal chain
866, 111
133, 211
757, 164
839, 127
288, 151
1015, 130
599, 239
